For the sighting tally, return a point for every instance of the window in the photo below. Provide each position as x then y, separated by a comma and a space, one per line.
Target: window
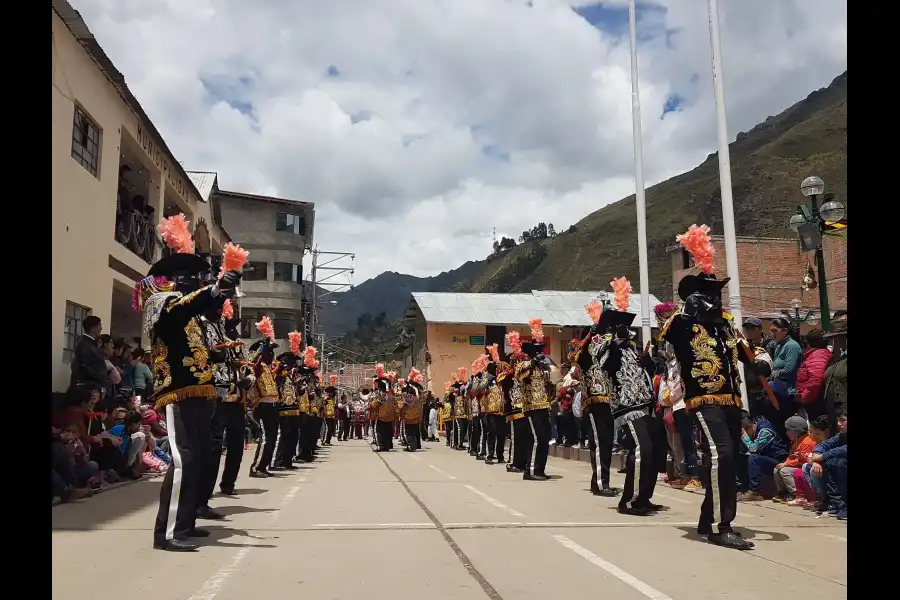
75, 314
288, 272
290, 223
86, 142
687, 259
256, 271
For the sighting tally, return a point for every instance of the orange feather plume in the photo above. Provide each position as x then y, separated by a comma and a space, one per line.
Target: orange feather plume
480, 364
537, 329
495, 353
309, 357
175, 233
461, 373
333, 379
379, 371
227, 309
233, 258
295, 338
621, 291
415, 376
515, 341
696, 240
594, 310
265, 328
448, 385
392, 376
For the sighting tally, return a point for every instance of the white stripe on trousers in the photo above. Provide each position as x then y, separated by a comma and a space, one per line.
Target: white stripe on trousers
596, 446
177, 473
534, 446
713, 474
636, 479
512, 441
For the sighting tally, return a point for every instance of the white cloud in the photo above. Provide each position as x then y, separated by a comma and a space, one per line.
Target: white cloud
418, 125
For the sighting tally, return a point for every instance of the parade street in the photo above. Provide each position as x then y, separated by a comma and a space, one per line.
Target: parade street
437, 524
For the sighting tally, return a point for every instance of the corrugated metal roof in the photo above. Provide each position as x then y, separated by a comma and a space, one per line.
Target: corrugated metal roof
203, 181
567, 307
555, 308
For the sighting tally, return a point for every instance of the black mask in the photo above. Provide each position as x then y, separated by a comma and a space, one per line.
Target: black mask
704, 307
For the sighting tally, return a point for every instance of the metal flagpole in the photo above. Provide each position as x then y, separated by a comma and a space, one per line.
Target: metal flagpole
731, 257
639, 179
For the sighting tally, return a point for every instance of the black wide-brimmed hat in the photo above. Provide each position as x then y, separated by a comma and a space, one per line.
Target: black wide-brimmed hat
258, 344
704, 283
532, 348
180, 264
287, 358
611, 318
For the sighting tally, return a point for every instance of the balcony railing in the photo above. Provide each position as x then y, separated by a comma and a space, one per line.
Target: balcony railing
138, 233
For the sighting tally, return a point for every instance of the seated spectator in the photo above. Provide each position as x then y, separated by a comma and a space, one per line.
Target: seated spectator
86, 472
819, 431
828, 469
766, 449
801, 447
103, 448
761, 404
133, 441
64, 481
811, 374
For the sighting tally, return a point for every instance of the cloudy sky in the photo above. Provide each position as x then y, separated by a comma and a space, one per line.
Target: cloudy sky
416, 126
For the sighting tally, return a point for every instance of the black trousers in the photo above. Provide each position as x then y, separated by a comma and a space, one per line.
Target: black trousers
289, 434
569, 432
344, 431
384, 434
475, 436
358, 430
189, 423
720, 428
449, 429
330, 424
460, 433
227, 432
598, 422
640, 467
267, 416
413, 436
521, 432
537, 439
496, 436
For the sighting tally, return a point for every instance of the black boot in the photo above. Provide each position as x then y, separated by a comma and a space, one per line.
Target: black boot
205, 512
624, 509
176, 546
729, 539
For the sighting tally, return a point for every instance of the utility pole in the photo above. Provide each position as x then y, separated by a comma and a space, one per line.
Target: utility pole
326, 283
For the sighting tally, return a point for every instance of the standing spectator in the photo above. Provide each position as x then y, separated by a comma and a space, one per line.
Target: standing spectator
811, 374
801, 447
142, 377
113, 373
766, 449
432, 421
835, 392
88, 361
758, 340
787, 357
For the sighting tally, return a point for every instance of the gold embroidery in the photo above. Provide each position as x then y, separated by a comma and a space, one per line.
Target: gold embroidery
707, 367
197, 363
191, 391
184, 299
162, 373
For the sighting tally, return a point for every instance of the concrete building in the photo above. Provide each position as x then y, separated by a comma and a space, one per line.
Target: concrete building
772, 271
278, 233
113, 179
450, 330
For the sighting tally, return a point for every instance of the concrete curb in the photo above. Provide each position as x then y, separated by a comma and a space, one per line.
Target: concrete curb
115, 486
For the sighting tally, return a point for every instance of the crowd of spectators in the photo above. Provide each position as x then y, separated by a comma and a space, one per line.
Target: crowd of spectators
103, 431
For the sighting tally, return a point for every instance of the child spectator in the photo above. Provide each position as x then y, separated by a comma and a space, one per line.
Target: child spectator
133, 441
85, 471
766, 449
819, 431
829, 472
801, 447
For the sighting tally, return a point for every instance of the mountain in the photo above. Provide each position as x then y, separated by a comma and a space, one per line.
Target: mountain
767, 165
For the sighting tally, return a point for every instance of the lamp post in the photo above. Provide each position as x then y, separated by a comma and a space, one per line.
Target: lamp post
795, 318
809, 223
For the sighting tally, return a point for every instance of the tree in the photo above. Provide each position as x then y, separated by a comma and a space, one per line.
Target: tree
507, 243
496, 247
550, 230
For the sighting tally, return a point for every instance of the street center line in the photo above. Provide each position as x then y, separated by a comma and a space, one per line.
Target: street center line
612, 569
214, 584
442, 472
833, 537
413, 456
495, 502
374, 525
667, 497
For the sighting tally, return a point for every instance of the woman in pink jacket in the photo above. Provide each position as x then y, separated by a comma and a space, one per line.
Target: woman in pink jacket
811, 375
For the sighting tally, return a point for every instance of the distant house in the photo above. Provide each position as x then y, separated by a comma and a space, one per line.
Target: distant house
455, 328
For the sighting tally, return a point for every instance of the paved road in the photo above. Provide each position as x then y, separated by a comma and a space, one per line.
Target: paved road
437, 524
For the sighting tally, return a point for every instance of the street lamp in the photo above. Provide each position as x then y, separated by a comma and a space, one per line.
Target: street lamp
795, 318
809, 223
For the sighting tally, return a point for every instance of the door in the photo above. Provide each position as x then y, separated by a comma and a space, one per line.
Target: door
496, 334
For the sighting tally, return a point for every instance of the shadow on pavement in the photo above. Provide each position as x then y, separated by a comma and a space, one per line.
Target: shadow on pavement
690, 533
219, 533
93, 513
241, 510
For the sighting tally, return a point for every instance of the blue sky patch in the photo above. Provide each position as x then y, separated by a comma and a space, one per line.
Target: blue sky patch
232, 93
614, 19
332, 71
496, 152
361, 116
673, 103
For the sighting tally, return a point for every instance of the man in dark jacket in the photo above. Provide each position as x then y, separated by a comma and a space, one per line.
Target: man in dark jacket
829, 471
88, 362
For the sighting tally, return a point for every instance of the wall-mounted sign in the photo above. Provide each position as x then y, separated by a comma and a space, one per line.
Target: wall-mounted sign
476, 340
460, 339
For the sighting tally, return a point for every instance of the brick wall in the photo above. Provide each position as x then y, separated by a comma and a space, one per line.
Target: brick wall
772, 272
